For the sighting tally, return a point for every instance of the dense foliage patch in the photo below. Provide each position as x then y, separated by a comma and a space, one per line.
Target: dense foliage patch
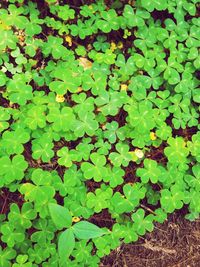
98, 125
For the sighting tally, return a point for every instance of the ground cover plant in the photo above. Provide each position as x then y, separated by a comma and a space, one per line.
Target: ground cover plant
99, 134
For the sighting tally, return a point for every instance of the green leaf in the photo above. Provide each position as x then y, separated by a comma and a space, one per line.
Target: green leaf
177, 151
60, 216
96, 169
66, 244
65, 158
151, 171
87, 230
171, 200
12, 170
142, 223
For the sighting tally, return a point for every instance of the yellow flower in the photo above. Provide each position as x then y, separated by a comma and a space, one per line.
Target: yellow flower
113, 46
68, 39
139, 153
75, 219
153, 136
124, 87
60, 98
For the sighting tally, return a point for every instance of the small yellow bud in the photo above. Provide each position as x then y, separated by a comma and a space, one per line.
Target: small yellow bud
126, 34
60, 98
113, 46
153, 136
124, 87
120, 45
68, 39
76, 219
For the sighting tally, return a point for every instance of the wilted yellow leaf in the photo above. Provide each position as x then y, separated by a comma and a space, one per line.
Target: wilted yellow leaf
85, 63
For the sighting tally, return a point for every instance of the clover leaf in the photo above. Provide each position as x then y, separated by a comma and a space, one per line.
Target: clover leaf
116, 177
177, 151
99, 200
150, 171
24, 217
12, 16
54, 46
12, 141
142, 223
87, 124
22, 261
109, 21
194, 146
40, 191
11, 235
12, 170
155, 4
64, 157
42, 148
19, 91
58, 118
72, 180
4, 117
6, 255
122, 156
140, 116
63, 82
171, 199
36, 117
96, 169
8, 39
130, 200
110, 134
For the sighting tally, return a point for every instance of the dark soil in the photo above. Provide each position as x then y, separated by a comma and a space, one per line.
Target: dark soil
176, 243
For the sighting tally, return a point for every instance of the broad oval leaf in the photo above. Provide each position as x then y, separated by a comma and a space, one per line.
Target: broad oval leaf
66, 244
87, 230
60, 216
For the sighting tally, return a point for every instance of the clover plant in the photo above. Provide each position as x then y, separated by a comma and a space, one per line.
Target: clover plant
99, 125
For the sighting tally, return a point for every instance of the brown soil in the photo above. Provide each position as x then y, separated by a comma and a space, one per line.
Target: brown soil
176, 243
